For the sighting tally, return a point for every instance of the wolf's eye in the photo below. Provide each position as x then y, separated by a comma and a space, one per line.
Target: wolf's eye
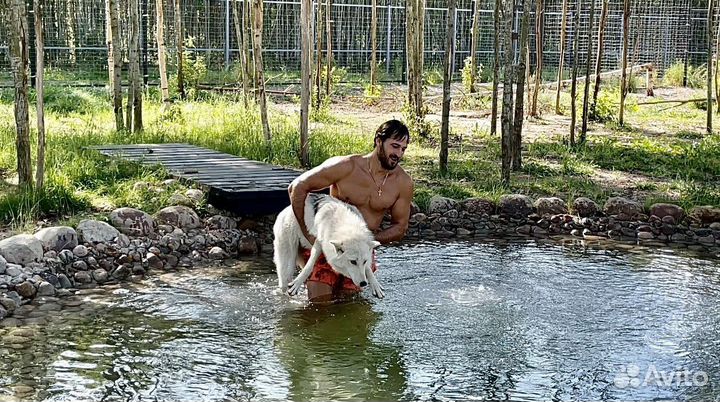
353, 262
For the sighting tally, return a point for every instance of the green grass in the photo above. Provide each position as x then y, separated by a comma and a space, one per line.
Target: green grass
684, 162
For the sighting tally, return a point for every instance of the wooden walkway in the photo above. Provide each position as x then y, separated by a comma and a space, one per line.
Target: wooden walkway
233, 183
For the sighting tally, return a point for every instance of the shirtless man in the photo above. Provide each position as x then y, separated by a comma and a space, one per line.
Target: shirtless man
374, 183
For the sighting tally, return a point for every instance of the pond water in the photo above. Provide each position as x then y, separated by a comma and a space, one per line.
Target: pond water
461, 321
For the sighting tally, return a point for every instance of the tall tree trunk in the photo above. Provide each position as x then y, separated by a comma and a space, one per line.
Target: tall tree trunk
162, 57
539, 31
20, 61
573, 85
474, 44
259, 74
496, 68
239, 32
709, 67
588, 66
305, 76
623, 74
447, 76
515, 143
115, 61
70, 24
373, 46
320, 32
415, 15
411, 35
420, 60
247, 45
717, 70
598, 62
561, 65
329, 56
508, 75
134, 60
40, 93
180, 43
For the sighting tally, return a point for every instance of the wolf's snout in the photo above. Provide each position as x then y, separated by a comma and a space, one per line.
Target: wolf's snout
363, 284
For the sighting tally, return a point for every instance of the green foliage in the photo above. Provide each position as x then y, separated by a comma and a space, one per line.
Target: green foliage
320, 111
696, 76
372, 94
467, 74
432, 77
194, 70
68, 100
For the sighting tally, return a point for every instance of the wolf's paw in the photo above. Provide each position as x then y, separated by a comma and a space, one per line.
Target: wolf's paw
377, 291
294, 287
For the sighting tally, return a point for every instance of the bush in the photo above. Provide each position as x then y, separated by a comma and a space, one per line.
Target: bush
194, 69
696, 76
467, 74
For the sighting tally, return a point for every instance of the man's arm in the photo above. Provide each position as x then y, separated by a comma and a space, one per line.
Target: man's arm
400, 215
318, 178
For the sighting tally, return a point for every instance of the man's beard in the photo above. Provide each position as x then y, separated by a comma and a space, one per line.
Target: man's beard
385, 161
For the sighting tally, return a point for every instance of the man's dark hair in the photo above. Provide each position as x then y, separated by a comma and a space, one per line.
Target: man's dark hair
394, 129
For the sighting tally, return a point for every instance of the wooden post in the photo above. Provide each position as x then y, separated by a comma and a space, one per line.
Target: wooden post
561, 65
40, 93
598, 61
373, 47
588, 66
496, 68
623, 76
573, 85
305, 79
179, 43
162, 59
508, 78
447, 76
134, 59
115, 62
474, 44
240, 35
709, 67
539, 31
319, 33
259, 74
329, 54
20, 60
522, 73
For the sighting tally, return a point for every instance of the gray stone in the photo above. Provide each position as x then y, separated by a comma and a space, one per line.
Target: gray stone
463, 232
132, 221
661, 210
64, 281
645, 235
515, 205
82, 277
706, 240
153, 261
550, 206
439, 204
80, 251
13, 270
179, 199
525, 229
585, 207
705, 214
478, 206
100, 275
57, 238
80, 265
179, 216
247, 245
217, 253
21, 249
92, 231
46, 289
26, 289
623, 206
221, 222
9, 304
141, 186
121, 272
3, 264
713, 226
195, 195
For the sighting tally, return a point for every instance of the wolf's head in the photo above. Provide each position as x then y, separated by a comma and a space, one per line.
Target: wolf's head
351, 258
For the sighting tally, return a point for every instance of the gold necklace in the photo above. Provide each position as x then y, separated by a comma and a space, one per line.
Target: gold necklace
379, 188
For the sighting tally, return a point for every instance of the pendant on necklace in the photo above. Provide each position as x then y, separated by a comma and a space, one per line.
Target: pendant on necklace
380, 193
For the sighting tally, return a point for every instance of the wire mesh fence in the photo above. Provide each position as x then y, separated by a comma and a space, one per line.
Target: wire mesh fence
661, 32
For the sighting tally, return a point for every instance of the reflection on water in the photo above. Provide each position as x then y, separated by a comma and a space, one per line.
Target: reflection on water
461, 321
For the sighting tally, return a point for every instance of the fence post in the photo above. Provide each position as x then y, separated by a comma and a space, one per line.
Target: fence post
143, 39
227, 35
389, 21
454, 42
30, 15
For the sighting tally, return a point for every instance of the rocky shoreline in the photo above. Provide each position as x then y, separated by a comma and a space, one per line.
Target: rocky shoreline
61, 261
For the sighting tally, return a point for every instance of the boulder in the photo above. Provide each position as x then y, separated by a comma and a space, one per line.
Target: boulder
515, 205
178, 216
623, 207
440, 205
705, 214
585, 207
21, 249
662, 210
133, 222
550, 206
58, 238
478, 206
92, 231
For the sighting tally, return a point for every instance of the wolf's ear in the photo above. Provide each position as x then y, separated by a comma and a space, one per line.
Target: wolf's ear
374, 244
337, 245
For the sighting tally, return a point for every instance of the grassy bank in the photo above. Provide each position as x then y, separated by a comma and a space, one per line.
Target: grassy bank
679, 164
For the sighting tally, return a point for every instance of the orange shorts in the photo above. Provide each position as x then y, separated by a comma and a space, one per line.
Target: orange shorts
323, 273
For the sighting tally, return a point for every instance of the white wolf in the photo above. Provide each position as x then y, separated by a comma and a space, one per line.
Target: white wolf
341, 234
